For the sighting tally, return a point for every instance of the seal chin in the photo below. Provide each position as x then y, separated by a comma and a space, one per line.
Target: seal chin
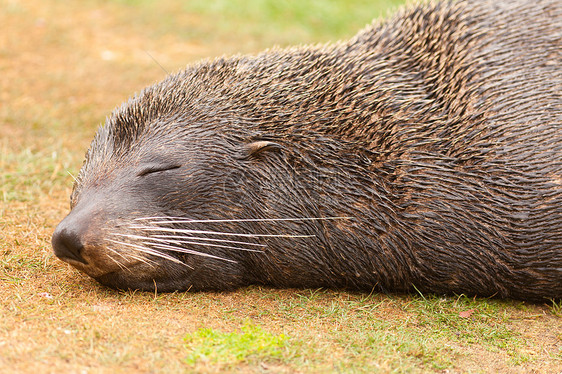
124, 280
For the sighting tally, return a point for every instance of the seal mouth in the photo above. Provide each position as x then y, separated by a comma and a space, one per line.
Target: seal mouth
91, 268
77, 263
75, 260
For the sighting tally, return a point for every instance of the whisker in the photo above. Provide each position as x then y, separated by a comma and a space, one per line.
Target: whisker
146, 261
187, 231
117, 253
121, 266
207, 244
149, 240
150, 251
166, 238
189, 251
189, 220
210, 240
138, 258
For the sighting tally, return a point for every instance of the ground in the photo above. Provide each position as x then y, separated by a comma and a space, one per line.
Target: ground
63, 67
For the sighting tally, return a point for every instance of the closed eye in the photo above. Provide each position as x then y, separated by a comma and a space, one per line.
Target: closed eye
149, 169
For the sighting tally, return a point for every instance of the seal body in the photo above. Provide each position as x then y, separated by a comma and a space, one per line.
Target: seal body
424, 153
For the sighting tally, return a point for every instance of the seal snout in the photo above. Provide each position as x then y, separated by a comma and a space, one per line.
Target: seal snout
68, 244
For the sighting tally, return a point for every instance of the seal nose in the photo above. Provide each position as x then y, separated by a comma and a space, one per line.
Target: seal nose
67, 244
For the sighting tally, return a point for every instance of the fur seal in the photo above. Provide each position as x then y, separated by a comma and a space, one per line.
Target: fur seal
425, 152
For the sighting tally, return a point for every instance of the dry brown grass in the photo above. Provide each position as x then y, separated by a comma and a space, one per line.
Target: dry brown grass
63, 67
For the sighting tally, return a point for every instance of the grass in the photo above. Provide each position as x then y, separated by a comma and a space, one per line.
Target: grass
251, 344
258, 23
65, 66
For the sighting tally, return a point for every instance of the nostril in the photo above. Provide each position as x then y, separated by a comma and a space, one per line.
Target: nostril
67, 245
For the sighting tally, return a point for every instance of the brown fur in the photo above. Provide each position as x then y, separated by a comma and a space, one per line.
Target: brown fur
437, 134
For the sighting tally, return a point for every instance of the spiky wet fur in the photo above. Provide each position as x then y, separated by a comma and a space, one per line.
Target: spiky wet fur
438, 133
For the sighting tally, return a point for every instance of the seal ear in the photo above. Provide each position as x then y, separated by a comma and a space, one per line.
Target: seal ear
256, 148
